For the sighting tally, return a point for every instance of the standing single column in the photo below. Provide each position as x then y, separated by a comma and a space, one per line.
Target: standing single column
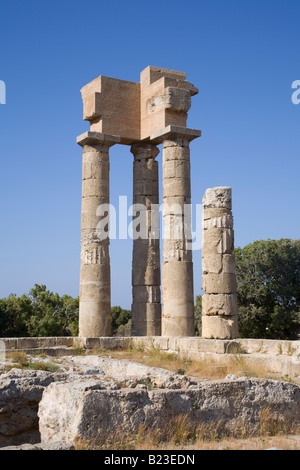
95, 295
146, 305
177, 267
219, 303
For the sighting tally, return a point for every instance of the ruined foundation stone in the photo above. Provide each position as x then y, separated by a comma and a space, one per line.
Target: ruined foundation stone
219, 303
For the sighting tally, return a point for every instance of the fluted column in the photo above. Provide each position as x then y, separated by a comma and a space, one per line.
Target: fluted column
146, 305
95, 292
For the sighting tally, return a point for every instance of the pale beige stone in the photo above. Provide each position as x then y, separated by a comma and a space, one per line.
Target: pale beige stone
229, 264
212, 263
177, 187
219, 327
146, 319
219, 304
223, 283
174, 290
90, 321
113, 107
146, 294
133, 111
178, 270
176, 169
165, 99
219, 197
180, 326
225, 221
179, 152
217, 240
212, 213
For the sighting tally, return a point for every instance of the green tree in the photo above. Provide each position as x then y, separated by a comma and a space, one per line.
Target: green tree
51, 314
41, 313
120, 318
14, 312
268, 279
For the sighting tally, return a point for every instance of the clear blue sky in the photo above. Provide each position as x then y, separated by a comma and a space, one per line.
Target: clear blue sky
242, 55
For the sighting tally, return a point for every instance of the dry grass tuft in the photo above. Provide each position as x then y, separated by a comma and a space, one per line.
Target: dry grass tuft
180, 433
20, 360
206, 368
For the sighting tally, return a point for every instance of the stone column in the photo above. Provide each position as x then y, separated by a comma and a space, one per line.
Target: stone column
146, 305
219, 303
177, 267
95, 297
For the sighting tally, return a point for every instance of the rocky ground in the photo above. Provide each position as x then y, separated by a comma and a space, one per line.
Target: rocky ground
82, 397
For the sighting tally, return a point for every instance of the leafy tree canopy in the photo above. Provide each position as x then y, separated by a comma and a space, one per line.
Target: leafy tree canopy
268, 278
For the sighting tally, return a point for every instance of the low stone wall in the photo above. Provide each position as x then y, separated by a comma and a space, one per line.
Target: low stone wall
280, 356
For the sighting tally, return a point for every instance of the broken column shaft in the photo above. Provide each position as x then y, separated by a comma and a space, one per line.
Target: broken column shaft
219, 303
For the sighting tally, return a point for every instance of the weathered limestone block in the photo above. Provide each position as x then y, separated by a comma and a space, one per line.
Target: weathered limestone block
165, 99
176, 99
219, 307
216, 198
20, 394
228, 263
221, 327
113, 107
147, 294
220, 304
223, 283
223, 221
212, 263
176, 169
146, 318
218, 240
83, 410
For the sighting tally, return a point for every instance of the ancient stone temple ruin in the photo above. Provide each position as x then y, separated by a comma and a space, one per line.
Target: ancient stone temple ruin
143, 115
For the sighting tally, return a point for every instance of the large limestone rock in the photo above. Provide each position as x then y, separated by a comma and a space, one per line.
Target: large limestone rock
92, 393
20, 394
84, 409
22, 390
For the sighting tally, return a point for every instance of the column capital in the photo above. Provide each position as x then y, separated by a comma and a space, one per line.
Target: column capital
144, 150
174, 132
97, 138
